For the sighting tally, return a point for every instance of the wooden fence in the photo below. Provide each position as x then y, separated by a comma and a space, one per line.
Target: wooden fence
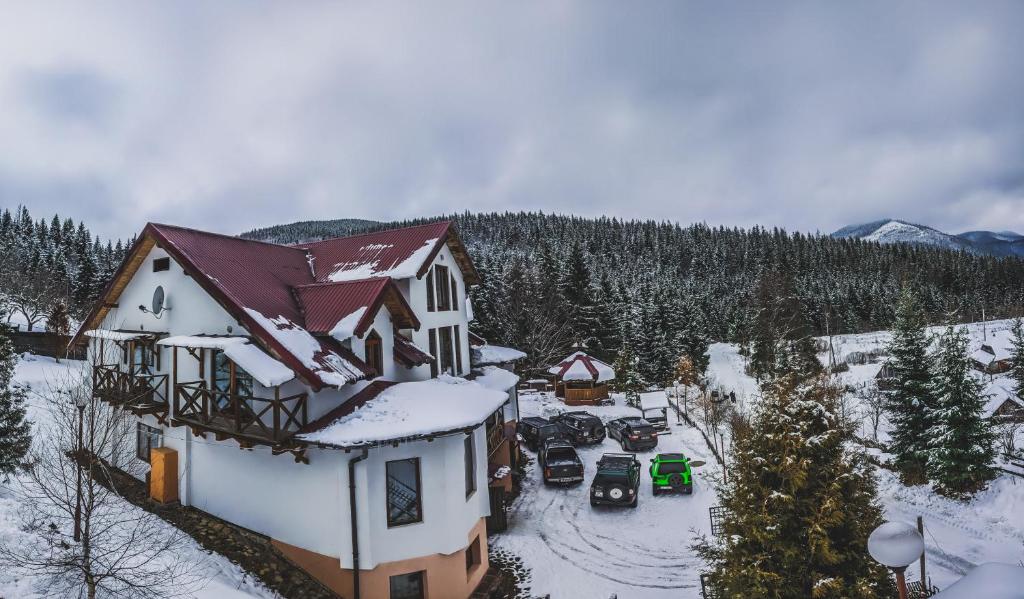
43, 343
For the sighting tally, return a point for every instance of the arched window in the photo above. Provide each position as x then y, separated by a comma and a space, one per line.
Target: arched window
375, 353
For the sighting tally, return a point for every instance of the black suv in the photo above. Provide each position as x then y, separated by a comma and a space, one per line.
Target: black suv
633, 433
617, 481
582, 427
535, 430
559, 462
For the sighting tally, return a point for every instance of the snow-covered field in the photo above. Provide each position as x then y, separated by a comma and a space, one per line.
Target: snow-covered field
224, 580
574, 550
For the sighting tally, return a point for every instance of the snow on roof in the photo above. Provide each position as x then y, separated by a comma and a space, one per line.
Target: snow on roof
346, 327
114, 335
998, 392
496, 378
982, 357
372, 263
495, 354
268, 371
265, 369
988, 581
326, 364
577, 371
655, 399
596, 370
204, 341
407, 411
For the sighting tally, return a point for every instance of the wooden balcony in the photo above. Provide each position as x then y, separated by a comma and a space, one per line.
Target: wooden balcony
137, 393
249, 420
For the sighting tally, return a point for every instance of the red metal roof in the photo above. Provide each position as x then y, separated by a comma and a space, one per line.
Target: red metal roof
377, 254
272, 291
325, 304
409, 354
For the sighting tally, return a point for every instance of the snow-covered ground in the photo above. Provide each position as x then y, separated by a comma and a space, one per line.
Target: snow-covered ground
574, 550
224, 579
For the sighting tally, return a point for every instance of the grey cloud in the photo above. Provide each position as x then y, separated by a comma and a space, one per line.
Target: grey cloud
801, 114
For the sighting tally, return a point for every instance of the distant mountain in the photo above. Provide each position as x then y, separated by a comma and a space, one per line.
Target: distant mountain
311, 230
1002, 243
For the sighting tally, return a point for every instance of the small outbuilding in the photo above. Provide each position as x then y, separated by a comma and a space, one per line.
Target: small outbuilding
581, 379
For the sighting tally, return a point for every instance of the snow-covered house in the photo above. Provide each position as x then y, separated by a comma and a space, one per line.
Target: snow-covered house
581, 379
992, 357
316, 394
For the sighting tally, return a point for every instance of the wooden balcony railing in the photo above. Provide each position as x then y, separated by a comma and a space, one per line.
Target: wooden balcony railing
495, 436
248, 419
138, 393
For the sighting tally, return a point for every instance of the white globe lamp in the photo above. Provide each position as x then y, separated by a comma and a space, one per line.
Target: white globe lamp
896, 545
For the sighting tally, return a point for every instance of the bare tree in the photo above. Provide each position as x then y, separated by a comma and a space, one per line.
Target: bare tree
874, 408
119, 550
1007, 436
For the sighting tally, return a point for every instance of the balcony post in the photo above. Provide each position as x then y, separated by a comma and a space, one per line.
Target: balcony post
277, 412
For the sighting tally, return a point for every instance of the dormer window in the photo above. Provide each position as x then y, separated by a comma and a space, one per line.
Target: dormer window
374, 353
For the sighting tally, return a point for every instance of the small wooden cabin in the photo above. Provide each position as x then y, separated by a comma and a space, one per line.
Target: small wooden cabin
581, 379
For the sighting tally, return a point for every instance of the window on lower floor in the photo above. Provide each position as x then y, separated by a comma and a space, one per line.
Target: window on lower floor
404, 502
473, 555
446, 356
146, 438
407, 586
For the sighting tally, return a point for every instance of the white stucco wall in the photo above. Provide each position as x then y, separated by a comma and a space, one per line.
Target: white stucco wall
415, 291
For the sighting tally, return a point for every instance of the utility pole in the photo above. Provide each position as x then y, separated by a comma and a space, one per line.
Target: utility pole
920, 529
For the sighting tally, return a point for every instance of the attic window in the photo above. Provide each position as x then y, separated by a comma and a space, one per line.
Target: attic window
161, 264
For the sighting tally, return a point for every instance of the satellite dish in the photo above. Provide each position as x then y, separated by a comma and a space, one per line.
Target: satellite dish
158, 300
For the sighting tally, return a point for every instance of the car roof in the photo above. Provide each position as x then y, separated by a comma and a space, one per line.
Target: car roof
579, 414
617, 460
670, 457
635, 421
535, 420
559, 442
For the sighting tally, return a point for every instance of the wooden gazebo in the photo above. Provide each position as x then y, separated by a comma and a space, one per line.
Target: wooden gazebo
581, 379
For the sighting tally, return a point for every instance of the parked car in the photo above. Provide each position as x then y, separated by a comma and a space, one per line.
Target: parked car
633, 433
559, 462
671, 472
658, 417
582, 427
617, 481
535, 430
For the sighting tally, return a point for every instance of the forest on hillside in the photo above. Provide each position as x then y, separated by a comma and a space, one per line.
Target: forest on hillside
50, 264
662, 289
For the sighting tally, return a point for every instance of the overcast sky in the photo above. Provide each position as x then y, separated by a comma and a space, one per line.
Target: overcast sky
228, 116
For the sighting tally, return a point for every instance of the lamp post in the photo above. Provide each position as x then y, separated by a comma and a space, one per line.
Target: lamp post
80, 404
896, 545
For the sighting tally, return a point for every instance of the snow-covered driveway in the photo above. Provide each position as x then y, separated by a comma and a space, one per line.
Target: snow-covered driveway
574, 550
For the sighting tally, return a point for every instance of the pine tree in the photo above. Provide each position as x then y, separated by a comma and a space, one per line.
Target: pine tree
961, 450
59, 323
15, 431
1017, 357
628, 379
910, 404
799, 505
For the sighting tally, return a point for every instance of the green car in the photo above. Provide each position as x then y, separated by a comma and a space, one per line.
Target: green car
671, 472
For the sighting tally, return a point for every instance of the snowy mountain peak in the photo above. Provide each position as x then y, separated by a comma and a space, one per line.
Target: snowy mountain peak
891, 230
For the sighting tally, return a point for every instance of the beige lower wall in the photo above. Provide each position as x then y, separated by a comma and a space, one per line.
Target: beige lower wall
446, 575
